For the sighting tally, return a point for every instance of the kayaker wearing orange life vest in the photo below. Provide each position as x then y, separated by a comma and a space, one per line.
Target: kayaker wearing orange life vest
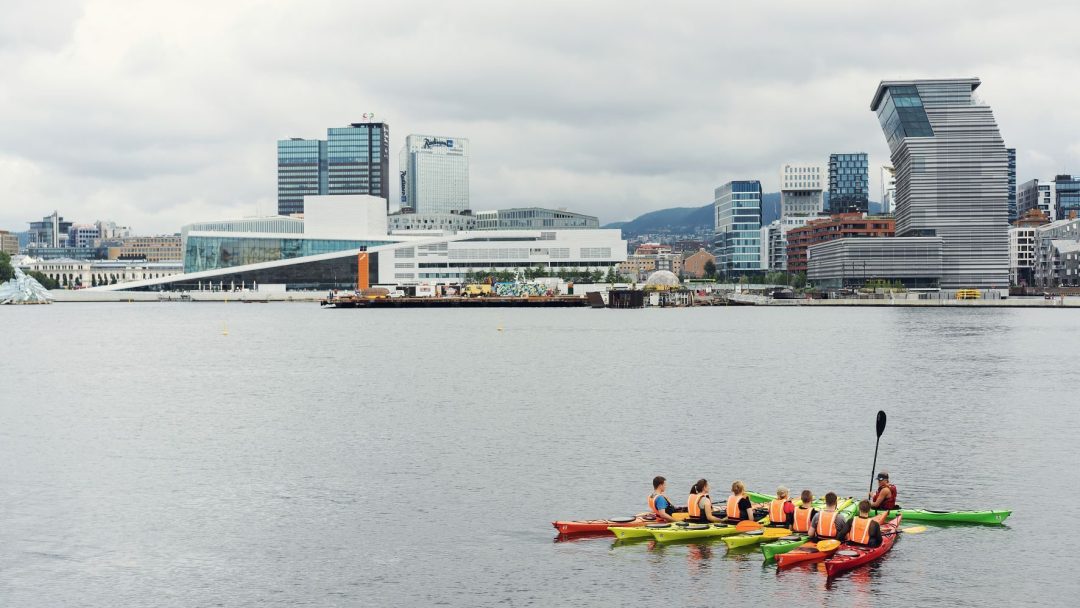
863, 530
804, 513
781, 510
739, 507
829, 523
884, 498
659, 504
699, 505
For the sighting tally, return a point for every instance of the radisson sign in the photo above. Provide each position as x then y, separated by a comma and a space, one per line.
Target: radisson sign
434, 142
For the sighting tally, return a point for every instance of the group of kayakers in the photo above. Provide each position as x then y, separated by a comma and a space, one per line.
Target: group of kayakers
782, 512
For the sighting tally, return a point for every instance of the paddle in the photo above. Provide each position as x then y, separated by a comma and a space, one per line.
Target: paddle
880, 430
746, 526
911, 530
828, 545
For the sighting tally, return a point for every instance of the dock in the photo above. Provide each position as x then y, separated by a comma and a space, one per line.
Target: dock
457, 302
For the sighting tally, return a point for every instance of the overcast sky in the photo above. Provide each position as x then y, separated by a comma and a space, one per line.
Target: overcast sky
156, 114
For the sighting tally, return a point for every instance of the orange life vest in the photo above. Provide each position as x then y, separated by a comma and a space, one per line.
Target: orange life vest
693, 509
652, 504
802, 519
776, 512
826, 524
733, 506
860, 531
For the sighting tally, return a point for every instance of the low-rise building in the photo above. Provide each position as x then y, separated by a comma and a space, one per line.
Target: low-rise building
1057, 254
838, 226
150, 248
74, 274
1022, 247
694, 264
852, 262
438, 222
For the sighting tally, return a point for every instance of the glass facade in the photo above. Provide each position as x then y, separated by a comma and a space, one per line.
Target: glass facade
435, 174
352, 160
1067, 188
901, 115
213, 252
1012, 184
338, 273
737, 207
849, 183
301, 172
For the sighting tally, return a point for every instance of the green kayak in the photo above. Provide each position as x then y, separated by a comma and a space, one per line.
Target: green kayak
640, 532
966, 517
788, 543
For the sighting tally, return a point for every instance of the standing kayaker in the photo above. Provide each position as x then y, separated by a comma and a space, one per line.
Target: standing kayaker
659, 504
884, 498
699, 505
739, 507
781, 510
804, 513
863, 530
829, 523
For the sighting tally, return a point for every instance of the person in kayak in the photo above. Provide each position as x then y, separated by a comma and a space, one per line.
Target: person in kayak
829, 523
804, 513
884, 498
863, 530
699, 505
739, 507
781, 510
659, 504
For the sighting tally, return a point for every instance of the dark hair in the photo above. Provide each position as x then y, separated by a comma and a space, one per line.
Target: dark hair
830, 499
864, 506
807, 497
699, 486
656, 481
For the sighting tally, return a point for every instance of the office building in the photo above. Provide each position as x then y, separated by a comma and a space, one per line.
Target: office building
9, 242
434, 174
799, 239
694, 264
1035, 195
165, 248
352, 160
849, 183
1066, 197
737, 209
533, 218
83, 235
802, 189
888, 189
1013, 212
51, 231
952, 181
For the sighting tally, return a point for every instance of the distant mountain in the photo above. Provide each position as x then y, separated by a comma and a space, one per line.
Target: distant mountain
689, 220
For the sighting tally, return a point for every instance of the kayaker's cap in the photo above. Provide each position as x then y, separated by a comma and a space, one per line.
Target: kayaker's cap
883, 475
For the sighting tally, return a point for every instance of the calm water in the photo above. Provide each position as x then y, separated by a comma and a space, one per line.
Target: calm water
415, 457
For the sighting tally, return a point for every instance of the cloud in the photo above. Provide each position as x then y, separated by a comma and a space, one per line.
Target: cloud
155, 115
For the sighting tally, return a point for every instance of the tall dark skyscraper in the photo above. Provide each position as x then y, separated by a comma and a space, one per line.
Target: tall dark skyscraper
352, 160
849, 183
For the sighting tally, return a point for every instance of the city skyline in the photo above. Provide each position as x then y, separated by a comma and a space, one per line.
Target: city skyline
165, 133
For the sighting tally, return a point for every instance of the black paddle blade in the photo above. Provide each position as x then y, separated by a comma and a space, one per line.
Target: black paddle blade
880, 422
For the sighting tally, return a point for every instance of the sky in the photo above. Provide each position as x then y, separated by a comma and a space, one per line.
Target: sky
155, 114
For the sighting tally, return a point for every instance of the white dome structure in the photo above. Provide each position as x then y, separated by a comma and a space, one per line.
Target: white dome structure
662, 279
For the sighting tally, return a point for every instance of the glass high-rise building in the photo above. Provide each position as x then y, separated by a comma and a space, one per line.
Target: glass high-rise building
434, 174
737, 209
1067, 195
952, 176
849, 183
352, 160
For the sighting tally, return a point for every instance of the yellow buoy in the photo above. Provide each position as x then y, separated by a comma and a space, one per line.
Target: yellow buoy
224, 329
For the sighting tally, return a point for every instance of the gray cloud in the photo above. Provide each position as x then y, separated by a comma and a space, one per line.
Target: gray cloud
157, 115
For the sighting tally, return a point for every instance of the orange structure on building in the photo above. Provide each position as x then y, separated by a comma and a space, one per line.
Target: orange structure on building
839, 226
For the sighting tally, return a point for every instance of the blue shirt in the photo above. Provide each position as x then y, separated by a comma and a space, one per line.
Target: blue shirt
661, 503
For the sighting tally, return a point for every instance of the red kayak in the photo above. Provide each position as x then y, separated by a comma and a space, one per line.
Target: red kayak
801, 555
584, 526
852, 556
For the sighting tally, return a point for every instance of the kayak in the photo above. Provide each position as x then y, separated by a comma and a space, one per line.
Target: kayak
787, 543
693, 531
852, 556
967, 517
586, 526
755, 536
624, 533
807, 552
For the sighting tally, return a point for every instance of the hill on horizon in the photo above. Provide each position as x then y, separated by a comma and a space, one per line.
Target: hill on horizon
689, 220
